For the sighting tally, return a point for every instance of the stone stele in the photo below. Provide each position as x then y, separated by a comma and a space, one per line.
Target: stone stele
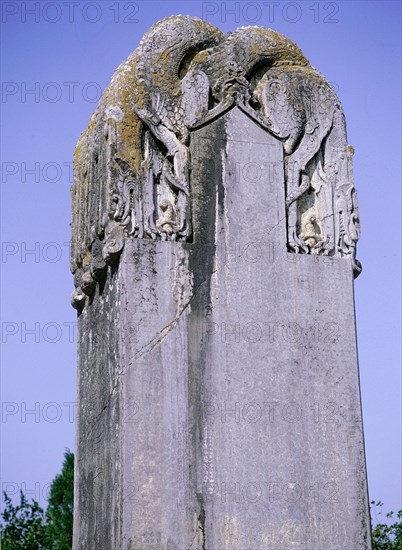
214, 233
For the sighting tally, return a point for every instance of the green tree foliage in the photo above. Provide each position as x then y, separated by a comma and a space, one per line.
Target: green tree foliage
24, 525
386, 536
59, 513
28, 527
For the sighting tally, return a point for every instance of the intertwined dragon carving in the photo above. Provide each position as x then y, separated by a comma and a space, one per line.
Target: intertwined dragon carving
132, 165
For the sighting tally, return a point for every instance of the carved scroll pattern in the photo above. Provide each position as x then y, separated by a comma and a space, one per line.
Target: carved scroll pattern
321, 200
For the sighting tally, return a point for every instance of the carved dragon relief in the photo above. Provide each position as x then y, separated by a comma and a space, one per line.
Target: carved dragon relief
184, 74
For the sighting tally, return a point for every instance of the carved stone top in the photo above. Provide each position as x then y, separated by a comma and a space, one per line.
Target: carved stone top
132, 164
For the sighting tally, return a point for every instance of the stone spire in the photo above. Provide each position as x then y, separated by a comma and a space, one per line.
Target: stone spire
214, 235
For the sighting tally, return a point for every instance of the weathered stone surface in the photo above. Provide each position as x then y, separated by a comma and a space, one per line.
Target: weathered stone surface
214, 232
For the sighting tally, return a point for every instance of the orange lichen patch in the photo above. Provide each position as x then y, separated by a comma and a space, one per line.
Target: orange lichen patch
201, 57
259, 44
86, 260
130, 143
128, 130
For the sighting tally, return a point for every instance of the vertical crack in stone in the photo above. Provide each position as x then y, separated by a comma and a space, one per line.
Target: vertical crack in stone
201, 520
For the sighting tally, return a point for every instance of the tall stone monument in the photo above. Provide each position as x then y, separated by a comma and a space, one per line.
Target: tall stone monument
214, 234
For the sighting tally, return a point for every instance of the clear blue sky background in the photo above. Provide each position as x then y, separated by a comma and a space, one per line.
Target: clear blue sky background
356, 45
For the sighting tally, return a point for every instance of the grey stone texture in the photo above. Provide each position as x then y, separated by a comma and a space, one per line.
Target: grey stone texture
214, 233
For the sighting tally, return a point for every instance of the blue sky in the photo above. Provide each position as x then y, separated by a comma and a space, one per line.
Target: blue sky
56, 58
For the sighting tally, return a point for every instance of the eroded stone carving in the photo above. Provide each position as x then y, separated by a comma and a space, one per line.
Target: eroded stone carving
132, 165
